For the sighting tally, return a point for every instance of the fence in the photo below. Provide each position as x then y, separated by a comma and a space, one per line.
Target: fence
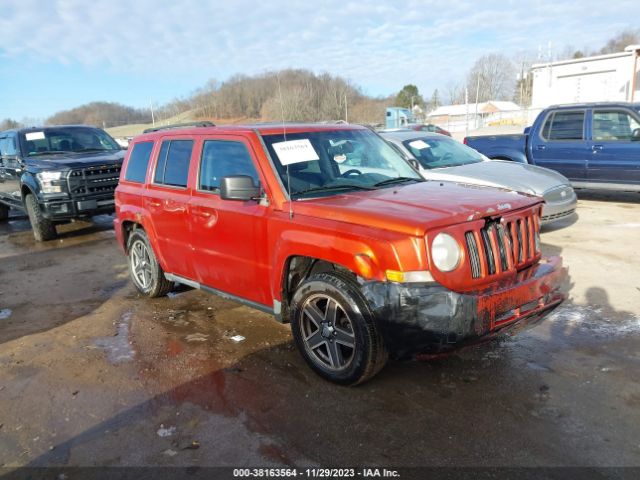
471, 122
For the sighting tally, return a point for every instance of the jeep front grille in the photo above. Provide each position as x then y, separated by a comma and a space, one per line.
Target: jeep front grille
94, 180
502, 246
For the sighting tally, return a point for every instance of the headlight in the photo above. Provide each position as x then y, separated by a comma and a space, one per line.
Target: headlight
50, 182
445, 252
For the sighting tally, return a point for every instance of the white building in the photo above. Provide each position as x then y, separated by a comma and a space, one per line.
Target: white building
459, 118
603, 78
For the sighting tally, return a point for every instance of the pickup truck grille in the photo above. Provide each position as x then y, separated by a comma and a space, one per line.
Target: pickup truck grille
502, 246
93, 180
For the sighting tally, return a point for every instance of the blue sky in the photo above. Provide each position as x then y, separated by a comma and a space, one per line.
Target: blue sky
59, 54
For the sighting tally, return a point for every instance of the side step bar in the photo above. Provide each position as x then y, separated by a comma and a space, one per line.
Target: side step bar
190, 283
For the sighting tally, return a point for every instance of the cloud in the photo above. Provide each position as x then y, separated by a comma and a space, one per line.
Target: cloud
380, 45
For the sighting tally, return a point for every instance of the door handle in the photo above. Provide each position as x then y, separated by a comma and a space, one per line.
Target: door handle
596, 148
202, 213
154, 203
541, 147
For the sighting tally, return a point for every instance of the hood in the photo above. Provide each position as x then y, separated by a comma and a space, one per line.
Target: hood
75, 160
503, 174
415, 208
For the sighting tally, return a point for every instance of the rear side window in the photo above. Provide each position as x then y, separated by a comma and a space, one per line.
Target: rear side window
173, 163
564, 126
222, 158
138, 162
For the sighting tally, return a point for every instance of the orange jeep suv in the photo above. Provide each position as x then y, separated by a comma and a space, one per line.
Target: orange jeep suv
328, 228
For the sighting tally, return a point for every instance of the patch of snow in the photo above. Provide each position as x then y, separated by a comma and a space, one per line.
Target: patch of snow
595, 320
165, 432
118, 347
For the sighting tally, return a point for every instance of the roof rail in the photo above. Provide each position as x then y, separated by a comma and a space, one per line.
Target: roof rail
204, 123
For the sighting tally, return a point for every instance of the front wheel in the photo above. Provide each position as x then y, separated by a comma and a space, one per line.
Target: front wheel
43, 228
146, 273
334, 331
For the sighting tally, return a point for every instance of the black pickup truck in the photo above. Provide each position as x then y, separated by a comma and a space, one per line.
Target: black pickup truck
58, 174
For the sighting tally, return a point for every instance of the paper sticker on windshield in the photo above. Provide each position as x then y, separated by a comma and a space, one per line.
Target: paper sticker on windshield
34, 136
295, 151
419, 144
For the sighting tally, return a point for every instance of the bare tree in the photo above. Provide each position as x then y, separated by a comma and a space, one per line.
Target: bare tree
100, 114
492, 77
620, 41
455, 93
9, 123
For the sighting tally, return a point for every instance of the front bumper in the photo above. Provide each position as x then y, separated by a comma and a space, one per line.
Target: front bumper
429, 318
68, 209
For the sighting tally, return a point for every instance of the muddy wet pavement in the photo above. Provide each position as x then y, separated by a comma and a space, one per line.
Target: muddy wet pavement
92, 374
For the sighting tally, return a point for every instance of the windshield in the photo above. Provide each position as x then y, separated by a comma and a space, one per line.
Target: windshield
66, 139
329, 162
441, 152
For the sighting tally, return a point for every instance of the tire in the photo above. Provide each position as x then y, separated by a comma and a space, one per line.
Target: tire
4, 212
334, 331
146, 273
43, 228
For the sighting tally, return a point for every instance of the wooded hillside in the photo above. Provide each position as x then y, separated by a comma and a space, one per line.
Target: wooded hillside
296, 95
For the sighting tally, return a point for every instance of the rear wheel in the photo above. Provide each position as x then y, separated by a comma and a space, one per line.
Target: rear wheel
4, 212
334, 330
43, 228
146, 273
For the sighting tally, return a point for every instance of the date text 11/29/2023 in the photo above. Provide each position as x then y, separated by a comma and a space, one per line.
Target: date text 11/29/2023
315, 473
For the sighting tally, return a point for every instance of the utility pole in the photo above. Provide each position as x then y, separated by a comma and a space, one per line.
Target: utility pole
466, 102
521, 82
153, 119
475, 119
346, 109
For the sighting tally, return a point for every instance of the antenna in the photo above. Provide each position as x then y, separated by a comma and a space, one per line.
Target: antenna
284, 133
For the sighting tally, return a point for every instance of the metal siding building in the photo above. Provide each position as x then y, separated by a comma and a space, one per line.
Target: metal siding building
590, 79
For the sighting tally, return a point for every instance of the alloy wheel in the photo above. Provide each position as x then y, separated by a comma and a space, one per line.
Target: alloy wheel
327, 332
141, 264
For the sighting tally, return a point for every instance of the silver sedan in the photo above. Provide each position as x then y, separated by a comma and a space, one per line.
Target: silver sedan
442, 158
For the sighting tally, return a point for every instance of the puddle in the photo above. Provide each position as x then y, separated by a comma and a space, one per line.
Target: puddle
118, 347
5, 313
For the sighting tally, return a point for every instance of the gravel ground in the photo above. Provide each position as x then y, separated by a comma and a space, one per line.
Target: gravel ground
93, 375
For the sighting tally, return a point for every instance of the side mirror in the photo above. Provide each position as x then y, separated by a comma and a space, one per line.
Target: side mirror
527, 130
635, 136
238, 187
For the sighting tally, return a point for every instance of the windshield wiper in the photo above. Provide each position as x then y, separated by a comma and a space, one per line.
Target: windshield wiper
331, 188
46, 152
92, 150
391, 181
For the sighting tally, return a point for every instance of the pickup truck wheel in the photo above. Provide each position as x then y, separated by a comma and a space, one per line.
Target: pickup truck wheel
146, 273
4, 212
334, 330
43, 228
